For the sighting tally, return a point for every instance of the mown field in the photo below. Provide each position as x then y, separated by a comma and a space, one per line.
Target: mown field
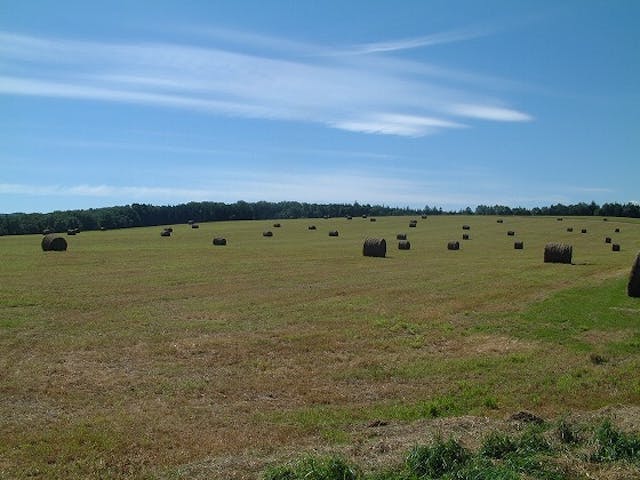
136, 356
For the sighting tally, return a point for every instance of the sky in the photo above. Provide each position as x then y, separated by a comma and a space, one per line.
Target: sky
407, 103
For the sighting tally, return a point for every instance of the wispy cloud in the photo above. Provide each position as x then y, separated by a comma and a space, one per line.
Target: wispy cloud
383, 97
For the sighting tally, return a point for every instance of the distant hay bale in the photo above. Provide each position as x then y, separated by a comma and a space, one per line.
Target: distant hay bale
374, 247
364, 216
423, 217
605, 219
276, 225
268, 233
413, 221
465, 236
103, 229
311, 227
401, 236
570, 229
557, 253
511, 233
169, 229
326, 217
46, 231
607, 239
190, 222
71, 231
584, 230
615, 247
559, 219
453, 245
333, 233
518, 245
413, 225
53, 243
499, 221
466, 227
165, 233
195, 225
349, 217
633, 287
617, 230
372, 219
219, 241
404, 245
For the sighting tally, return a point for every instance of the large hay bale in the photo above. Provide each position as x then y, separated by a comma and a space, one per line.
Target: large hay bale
404, 245
518, 245
268, 233
466, 227
401, 236
453, 245
53, 243
511, 233
219, 241
557, 253
633, 287
615, 247
374, 247
165, 233
333, 233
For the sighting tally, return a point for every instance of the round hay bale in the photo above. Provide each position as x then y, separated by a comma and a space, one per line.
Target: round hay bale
617, 230
423, 217
333, 233
191, 222
518, 245
570, 229
276, 225
47, 231
195, 225
413, 221
219, 241
53, 243
364, 216
605, 219
401, 236
465, 236
584, 230
607, 239
71, 231
615, 247
311, 227
453, 245
372, 219
633, 287
169, 229
165, 233
374, 247
511, 233
404, 245
349, 217
559, 219
557, 253
268, 233
466, 227
499, 221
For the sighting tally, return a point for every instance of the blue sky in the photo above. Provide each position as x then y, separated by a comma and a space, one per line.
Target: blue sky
407, 103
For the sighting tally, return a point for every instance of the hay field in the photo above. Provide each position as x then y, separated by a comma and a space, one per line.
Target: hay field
136, 356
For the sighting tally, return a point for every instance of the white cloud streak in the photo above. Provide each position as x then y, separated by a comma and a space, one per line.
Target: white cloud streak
387, 97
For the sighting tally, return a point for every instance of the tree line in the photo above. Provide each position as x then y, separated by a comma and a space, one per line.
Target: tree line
144, 215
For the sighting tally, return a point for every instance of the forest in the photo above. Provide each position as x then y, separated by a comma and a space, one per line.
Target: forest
144, 215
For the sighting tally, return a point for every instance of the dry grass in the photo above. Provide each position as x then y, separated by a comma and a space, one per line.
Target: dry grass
149, 358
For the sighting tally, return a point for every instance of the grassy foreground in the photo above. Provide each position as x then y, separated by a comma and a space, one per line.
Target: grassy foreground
132, 355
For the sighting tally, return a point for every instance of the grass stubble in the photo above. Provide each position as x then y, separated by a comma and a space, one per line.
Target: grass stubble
132, 355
